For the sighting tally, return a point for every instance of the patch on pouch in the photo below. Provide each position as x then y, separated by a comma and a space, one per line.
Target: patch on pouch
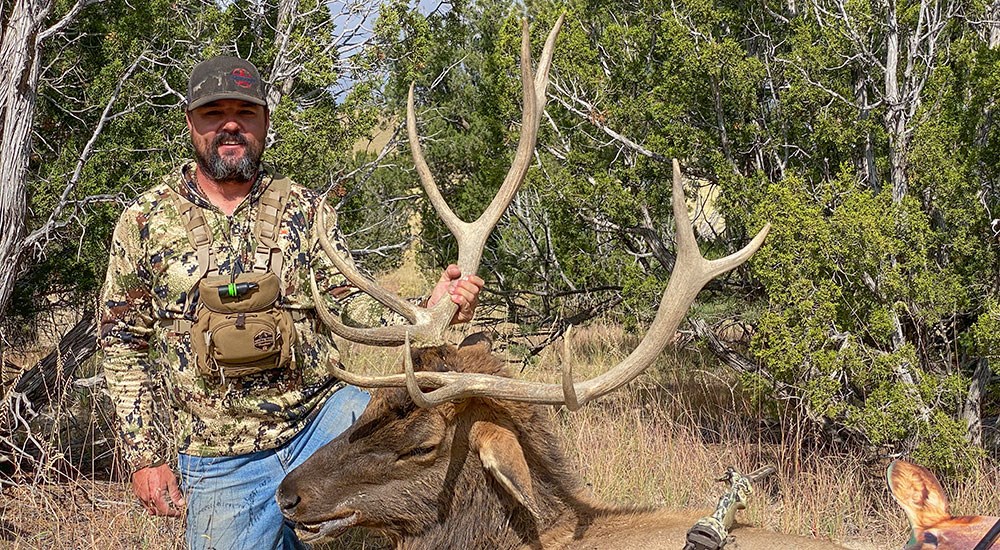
263, 340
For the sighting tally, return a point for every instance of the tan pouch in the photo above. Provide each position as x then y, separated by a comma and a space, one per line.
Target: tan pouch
241, 331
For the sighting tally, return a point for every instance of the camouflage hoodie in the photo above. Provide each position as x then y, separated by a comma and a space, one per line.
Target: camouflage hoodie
152, 268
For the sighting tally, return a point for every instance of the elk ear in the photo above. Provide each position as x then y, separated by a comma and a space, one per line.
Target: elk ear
502, 456
919, 494
477, 339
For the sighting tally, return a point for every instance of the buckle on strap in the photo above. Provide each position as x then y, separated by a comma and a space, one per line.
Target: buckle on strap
179, 326
300, 314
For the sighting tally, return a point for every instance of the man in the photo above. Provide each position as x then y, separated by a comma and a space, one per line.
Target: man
238, 426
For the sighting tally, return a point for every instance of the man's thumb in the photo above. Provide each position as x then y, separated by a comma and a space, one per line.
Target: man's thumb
176, 495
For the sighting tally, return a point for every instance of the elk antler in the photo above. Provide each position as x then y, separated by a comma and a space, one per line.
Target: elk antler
691, 272
429, 325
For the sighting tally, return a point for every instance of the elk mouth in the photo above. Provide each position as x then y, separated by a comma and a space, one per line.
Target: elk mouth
331, 528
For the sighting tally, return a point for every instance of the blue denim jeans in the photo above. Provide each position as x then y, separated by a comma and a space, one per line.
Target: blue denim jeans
230, 499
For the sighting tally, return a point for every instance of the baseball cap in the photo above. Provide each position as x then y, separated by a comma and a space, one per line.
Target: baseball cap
224, 77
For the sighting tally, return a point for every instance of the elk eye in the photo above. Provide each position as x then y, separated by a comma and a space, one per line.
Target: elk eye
417, 452
930, 538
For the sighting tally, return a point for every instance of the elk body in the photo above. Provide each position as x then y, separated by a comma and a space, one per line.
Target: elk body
932, 526
464, 457
477, 474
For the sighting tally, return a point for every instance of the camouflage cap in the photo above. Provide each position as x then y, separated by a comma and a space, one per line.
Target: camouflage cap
224, 77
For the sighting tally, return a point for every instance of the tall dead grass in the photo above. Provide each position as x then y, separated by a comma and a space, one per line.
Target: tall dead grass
660, 441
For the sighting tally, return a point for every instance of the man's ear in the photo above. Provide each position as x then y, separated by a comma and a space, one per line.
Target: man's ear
503, 458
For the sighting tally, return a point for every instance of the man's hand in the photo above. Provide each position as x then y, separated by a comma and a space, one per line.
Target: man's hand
157, 489
463, 290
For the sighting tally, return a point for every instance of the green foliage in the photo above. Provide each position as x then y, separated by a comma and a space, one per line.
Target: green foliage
943, 444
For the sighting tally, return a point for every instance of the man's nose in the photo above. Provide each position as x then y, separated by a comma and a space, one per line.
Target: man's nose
231, 125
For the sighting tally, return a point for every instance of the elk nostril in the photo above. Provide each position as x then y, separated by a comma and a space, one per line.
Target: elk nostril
287, 502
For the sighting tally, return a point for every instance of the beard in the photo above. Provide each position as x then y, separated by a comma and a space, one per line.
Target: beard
229, 169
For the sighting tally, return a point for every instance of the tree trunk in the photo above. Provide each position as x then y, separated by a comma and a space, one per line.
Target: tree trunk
866, 164
972, 408
720, 117
994, 14
285, 69
33, 391
41, 381
895, 114
19, 70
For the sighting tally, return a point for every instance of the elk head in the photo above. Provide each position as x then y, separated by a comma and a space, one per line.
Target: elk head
443, 474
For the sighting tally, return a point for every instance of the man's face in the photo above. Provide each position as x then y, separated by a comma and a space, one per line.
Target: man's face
228, 137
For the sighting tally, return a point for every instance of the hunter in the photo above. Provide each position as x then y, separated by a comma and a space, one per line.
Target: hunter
207, 309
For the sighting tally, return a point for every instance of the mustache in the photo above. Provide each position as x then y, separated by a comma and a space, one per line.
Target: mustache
236, 137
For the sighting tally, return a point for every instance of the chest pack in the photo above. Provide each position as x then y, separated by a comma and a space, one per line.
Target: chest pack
240, 328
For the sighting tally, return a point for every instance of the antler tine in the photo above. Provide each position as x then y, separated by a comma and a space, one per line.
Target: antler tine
545, 62
429, 325
451, 221
691, 272
687, 245
422, 326
569, 390
382, 336
343, 261
471, 237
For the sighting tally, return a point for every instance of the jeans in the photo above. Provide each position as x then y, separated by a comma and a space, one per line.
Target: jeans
230, 499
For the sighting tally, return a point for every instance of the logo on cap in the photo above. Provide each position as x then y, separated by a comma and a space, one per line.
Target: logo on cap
242, 78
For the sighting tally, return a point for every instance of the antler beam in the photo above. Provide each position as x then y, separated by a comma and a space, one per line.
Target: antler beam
427, 326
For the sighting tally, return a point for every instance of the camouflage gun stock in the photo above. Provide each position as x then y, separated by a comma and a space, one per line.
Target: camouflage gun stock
712, 532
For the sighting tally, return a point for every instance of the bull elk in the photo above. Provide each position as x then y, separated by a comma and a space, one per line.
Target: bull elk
932, 526
455, 454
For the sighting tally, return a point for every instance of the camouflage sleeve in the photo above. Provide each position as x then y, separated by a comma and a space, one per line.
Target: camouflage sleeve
126, 324
355, 307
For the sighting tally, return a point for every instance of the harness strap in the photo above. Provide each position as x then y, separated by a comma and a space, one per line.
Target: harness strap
269, 210
198, 234
181, 326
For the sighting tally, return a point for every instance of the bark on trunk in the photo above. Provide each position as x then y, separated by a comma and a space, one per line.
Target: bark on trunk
972, 408
284, 70
19, 70
895, 115
994, 12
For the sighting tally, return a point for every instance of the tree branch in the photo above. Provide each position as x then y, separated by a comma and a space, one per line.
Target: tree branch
37, 236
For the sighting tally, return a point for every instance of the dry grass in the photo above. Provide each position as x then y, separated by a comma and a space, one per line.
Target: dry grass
661, 441
87, 514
